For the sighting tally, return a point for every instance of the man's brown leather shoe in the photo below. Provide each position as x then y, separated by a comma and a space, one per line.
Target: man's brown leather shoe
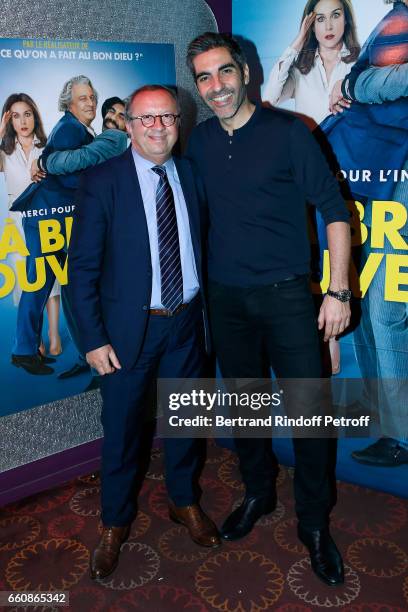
106, 554
201, 528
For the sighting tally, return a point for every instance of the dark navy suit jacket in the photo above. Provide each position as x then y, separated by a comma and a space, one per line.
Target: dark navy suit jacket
109, 267
55, 191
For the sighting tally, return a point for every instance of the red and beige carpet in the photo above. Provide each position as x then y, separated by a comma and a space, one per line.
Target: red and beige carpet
46, 542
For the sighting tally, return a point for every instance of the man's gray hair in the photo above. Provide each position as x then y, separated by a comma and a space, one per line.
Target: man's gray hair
65, 97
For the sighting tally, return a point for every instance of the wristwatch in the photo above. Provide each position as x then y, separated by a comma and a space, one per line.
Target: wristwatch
344, 295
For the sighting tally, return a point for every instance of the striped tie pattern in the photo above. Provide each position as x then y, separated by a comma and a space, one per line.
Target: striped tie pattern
169, 247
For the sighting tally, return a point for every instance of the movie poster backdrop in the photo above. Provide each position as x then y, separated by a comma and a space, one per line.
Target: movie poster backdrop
39, 68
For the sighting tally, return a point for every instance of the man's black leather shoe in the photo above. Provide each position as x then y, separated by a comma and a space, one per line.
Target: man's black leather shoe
325, 558
46, 359
33, 364
386, 452
241, 521
76, 370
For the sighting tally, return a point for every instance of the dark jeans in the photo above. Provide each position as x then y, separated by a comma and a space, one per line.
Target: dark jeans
274, 325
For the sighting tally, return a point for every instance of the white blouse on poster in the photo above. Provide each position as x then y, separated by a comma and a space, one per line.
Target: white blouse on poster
17, 171
17, 175
311, 91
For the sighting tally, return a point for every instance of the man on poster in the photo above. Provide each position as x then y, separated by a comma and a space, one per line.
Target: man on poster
373, 132
111, 142
135, 282
113, 114
259, 166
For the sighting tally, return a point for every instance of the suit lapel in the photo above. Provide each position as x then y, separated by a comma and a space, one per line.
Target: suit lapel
133, 211
129, 176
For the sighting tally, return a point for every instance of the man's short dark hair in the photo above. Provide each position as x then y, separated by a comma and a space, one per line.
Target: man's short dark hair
214, 40
154, 87
109, 102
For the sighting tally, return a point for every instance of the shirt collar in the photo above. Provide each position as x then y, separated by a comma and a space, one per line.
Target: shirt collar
89, 129
144, 164
342, 53
36, 141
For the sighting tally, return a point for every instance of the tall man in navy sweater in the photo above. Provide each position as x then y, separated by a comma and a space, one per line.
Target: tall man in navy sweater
259, 167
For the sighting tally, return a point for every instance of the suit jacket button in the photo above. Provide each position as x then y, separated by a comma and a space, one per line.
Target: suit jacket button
145, 307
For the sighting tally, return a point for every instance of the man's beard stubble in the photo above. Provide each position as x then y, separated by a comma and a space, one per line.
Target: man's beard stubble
110, 124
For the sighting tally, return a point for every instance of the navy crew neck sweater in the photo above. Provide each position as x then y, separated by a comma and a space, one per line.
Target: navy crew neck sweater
258, 182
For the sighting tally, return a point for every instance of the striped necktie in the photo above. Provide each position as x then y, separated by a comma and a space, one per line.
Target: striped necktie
169, 247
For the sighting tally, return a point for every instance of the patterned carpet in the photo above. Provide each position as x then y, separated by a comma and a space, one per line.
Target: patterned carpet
46, 541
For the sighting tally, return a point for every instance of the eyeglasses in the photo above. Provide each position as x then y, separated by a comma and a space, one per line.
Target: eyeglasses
167, 120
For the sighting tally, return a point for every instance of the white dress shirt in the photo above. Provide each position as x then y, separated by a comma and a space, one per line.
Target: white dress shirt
17, 175
17, 172
311, 91
148, 181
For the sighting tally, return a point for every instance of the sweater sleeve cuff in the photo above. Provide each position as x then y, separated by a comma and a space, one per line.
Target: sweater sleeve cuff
347, 88
40, 164
335, 216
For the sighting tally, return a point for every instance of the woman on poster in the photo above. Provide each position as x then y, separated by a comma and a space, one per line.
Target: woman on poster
321, 55
22, 140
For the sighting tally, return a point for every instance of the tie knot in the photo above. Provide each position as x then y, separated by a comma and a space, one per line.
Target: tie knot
160, 170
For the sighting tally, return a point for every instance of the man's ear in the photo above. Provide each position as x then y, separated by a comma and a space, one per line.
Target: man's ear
246, 74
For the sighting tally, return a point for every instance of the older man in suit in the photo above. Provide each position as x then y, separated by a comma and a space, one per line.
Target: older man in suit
136, 287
